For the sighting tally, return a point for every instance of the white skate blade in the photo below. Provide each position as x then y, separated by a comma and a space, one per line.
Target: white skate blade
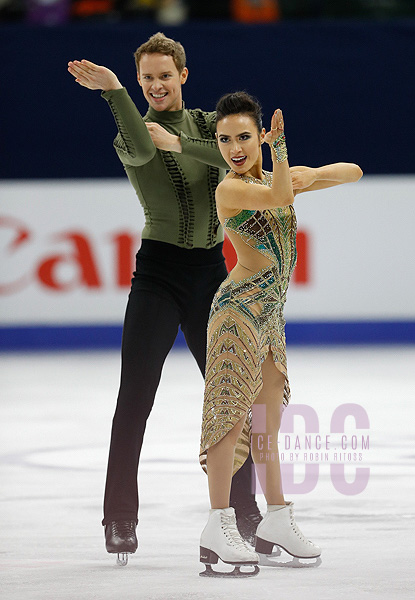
268, 560
236, 573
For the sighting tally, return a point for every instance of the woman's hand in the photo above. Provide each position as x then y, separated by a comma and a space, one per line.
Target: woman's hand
92, 76
302, 177
277, 127
162, 139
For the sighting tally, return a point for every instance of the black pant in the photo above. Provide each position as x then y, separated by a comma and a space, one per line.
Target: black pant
171, 286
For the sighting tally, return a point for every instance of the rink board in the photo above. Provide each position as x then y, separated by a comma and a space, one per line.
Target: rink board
67, 254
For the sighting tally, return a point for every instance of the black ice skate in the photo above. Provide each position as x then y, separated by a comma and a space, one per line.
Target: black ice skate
220, 539
247, 521
120, 538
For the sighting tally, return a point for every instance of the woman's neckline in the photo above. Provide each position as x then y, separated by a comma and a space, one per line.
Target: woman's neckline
263, 181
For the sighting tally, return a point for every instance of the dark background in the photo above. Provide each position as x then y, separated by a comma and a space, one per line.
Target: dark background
346, 89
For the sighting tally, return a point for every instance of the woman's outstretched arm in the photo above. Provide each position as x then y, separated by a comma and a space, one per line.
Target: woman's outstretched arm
307, 179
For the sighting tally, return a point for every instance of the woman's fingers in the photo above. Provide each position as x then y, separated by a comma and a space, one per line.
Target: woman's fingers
277, 121
277, 127
280, 119
295, 182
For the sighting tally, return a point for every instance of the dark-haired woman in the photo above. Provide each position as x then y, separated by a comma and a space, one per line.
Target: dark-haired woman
246, 371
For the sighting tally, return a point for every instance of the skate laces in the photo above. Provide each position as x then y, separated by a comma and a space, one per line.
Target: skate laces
231, 532
123, 529
297, 530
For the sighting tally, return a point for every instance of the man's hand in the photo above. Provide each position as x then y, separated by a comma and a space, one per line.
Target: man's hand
162, 139
92, 76
302, 177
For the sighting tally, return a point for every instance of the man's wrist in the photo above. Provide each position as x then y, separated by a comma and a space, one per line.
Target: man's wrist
176, 145
113, 88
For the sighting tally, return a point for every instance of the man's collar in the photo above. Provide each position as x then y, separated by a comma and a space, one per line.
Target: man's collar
166, 116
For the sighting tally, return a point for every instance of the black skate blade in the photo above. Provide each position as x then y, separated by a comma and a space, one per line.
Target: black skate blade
209, 572
266, 560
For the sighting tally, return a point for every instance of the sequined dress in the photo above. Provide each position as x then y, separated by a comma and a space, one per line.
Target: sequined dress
245, 323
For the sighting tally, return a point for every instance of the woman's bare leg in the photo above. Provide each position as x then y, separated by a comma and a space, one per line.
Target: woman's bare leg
220, 459
265, 445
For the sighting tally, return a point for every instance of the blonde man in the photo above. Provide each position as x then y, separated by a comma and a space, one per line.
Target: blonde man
171, 158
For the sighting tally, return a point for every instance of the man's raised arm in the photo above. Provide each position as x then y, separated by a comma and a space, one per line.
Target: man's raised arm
133, 143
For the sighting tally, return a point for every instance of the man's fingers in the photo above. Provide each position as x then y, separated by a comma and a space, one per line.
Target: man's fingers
75, 74
73, 67
77, 69
89, 64
85, 85
84, 67
79, 76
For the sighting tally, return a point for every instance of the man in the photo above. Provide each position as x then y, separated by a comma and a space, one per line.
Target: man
172, 160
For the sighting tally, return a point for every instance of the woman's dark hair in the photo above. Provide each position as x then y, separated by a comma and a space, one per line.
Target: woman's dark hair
237, 103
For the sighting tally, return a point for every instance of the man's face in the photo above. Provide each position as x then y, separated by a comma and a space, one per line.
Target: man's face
161, 82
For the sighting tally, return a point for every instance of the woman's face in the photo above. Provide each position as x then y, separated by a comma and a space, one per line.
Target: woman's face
239, 142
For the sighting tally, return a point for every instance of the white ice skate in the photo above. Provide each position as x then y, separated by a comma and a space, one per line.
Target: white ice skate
278, 528
221, 539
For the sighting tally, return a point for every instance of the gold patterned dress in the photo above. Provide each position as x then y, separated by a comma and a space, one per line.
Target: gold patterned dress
245, 323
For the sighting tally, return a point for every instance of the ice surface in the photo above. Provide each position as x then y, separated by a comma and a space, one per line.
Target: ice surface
55, 419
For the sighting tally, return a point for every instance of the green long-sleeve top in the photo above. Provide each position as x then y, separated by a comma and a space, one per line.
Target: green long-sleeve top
176, 190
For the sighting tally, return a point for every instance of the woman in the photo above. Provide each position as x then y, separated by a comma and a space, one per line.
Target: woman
246, 355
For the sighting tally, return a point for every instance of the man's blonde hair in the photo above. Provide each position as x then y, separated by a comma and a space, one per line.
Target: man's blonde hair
160, 44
